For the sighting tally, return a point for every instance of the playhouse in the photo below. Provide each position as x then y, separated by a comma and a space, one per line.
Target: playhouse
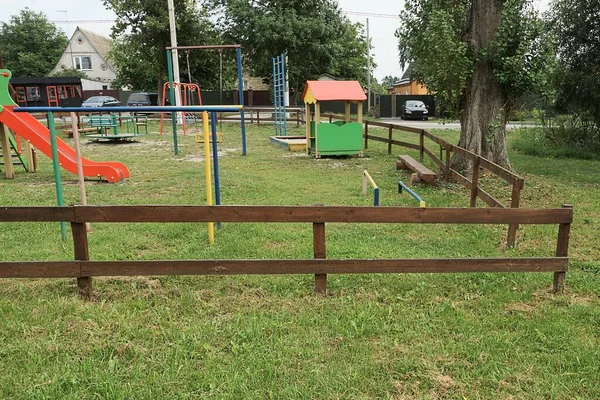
339, 137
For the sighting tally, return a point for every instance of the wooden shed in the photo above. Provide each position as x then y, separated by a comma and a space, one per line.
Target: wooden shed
339, 137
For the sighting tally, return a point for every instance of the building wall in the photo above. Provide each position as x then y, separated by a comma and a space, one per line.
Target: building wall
79, 45
410, 88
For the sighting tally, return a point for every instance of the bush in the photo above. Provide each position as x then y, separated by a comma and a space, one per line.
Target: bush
572, 136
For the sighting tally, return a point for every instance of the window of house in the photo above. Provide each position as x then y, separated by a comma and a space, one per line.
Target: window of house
83, 63
76, 91
21, 97
33, 93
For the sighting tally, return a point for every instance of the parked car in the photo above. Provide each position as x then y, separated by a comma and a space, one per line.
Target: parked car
414, 109
142, 99
101, 101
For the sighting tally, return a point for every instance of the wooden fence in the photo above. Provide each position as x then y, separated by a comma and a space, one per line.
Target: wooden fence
443, 162
83, 269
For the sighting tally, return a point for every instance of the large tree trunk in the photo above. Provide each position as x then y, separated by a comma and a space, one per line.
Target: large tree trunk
484, 103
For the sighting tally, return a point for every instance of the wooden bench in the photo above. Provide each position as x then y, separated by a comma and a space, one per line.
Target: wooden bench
421, 172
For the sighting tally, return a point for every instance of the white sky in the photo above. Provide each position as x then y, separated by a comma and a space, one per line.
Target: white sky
381, 27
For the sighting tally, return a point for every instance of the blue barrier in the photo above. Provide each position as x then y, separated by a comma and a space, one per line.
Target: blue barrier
402, 185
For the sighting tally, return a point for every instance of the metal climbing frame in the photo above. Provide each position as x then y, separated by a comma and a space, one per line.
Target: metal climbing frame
279, 100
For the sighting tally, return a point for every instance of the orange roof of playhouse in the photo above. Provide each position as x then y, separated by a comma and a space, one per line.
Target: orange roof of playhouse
332, 90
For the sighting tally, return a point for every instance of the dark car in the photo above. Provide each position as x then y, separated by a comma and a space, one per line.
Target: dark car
414, 109
101, 101
142, 99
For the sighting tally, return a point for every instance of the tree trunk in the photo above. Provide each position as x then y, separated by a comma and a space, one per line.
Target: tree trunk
484, 103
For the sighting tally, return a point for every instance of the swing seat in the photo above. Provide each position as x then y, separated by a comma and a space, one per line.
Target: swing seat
200, 138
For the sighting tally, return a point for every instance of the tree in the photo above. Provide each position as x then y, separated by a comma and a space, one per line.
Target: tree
317, 37
71, 72
30, 44
578, 74
389, 80
141, 34
478, 57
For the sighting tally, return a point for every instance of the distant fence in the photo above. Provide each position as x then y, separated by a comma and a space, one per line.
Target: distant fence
83, 269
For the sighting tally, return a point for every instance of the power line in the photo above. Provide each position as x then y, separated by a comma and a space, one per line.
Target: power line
373, 15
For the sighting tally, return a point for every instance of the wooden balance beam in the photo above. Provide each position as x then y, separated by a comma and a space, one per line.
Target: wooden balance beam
421, 172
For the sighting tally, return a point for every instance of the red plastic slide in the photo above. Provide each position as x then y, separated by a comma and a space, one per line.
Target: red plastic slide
29, 128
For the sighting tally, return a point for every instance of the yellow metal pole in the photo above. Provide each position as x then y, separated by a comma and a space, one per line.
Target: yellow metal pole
209, 199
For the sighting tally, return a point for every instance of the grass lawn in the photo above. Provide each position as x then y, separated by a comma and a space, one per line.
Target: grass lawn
373, 337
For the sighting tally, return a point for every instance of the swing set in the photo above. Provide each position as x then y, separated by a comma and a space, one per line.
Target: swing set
189, 88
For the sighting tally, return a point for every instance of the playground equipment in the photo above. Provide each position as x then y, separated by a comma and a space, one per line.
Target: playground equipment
369, 179
340, 137
401, 186
280, 101
238, 50
189, 94
102, 123
420, 172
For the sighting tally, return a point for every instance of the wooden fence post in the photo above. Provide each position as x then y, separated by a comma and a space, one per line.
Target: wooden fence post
475, 181
366, 134
390, 140
257, 117
319, 253
517, 185
562, 250
80, 244
421, 145
9, 170
447, 172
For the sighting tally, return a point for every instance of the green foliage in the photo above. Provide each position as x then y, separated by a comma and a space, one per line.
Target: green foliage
564, 136
30, 44
317, 37
71, 72
576, 27
433, 39
141, 34
389, 80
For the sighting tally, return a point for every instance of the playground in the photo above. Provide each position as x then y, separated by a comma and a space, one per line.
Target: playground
421, 334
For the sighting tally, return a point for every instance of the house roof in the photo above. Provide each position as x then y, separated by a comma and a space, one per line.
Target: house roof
332, 90
100, 43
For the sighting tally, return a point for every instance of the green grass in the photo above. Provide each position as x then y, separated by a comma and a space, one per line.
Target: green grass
374, 336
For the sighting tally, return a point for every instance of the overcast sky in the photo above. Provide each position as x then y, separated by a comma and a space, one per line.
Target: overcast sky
91, 15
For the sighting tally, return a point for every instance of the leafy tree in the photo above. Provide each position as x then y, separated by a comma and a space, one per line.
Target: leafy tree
71, 72
578, 74
141, 34
30, 44
389, 80
478, 56
317, 37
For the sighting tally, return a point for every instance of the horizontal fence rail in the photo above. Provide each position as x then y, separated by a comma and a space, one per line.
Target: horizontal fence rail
83, 269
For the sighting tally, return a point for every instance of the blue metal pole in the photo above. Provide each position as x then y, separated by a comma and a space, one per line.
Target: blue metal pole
215, 150
238, 52
275, 94
56, 168
172, 98
402, 185
283, 94
376, 197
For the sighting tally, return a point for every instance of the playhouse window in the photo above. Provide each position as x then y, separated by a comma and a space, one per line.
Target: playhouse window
63, 92
76, 91
21, 94
33, 93
83, 63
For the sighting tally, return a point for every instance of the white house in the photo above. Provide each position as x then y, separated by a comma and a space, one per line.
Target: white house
87, 52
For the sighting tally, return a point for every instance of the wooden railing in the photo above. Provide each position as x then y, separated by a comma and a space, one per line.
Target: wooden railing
83, 269
443, 162
253, 115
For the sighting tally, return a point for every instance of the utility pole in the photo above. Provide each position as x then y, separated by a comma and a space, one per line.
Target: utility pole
286, 102
368, 69
176, 78
70, 52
